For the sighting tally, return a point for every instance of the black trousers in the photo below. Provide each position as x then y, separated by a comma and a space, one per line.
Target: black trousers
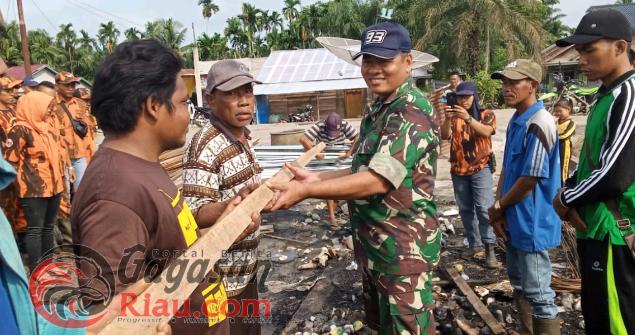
41, 215
608, 287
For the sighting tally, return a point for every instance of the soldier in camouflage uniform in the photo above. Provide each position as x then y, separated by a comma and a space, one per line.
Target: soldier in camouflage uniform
391, 182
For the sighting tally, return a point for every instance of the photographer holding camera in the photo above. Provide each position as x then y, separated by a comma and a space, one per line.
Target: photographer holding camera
470, 128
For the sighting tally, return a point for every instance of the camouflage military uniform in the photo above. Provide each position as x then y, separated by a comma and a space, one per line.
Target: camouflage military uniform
396, 235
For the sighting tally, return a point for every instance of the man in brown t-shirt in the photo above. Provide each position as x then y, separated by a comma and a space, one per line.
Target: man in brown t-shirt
127, 209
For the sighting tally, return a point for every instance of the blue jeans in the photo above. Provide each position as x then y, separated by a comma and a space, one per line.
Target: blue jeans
79, 165
530, 276
474, 195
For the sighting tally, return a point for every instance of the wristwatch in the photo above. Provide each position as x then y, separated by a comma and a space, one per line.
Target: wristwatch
468, 121
497, 205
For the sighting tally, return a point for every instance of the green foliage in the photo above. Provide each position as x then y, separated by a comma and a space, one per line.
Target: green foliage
487, 87
472, 35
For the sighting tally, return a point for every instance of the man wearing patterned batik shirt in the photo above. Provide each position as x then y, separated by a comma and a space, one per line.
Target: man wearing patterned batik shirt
391, 182
217, 164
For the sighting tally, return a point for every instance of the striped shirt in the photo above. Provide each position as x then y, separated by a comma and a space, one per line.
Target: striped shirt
216, 166
317, 133
609, 146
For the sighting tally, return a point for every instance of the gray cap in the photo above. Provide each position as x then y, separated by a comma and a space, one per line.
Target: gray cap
228, 74
520, 69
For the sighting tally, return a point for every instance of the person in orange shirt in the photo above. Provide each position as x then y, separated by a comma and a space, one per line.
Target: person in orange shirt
89, 141
69, 112
32, 149
470, 127
9, 196
8, 99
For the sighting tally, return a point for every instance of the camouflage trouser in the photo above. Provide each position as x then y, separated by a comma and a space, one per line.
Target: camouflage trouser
399, 304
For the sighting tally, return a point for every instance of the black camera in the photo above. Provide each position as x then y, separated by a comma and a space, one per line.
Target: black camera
451, 99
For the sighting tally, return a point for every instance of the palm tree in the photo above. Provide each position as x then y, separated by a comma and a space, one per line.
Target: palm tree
153, 30
263, 23
85, 41
107, 36
213, 47
290, 11
342, 18
132, 34
473, 22
249, 18
10, 49
172, 33
209, 8
43, 50
66, 39
275, 21
236, 35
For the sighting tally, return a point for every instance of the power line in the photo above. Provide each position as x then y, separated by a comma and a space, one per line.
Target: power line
109, 13
92, 11
9, 7
45, 16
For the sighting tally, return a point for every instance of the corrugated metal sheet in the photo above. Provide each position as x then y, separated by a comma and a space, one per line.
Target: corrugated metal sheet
307, 65
272, 158
309, 86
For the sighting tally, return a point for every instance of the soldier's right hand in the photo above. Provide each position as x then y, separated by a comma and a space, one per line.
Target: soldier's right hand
302, 175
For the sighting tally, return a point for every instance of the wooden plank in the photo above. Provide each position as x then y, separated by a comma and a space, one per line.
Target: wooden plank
290, 240
209, 247
478, 305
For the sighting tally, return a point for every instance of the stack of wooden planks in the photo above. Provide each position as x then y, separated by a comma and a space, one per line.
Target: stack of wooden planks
172, 162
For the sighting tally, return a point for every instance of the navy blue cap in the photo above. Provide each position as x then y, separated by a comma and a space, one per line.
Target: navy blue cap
29, 82
466, 88
385, 40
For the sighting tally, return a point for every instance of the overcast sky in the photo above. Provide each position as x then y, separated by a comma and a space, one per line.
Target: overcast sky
88, 14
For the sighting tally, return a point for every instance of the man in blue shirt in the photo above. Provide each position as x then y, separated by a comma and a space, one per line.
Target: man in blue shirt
522, 214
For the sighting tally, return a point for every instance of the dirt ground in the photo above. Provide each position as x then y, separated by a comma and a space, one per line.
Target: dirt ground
334, 304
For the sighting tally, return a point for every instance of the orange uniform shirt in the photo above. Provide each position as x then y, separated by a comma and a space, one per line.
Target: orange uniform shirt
72, 142
470, 152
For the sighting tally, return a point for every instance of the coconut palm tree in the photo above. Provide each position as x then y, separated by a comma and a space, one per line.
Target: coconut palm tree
66, 39
85, 41
342, 18
263, 23
213, 47
237, 36
249, 18
153, 30
473, 22
275, 21
43, 50
209, 8
107, 36
10, 49
132, 34
172, 33
290, 11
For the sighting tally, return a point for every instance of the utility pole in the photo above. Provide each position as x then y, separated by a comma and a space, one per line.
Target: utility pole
25, 41
197, 77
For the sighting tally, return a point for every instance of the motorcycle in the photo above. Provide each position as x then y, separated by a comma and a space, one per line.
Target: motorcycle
199, 115
582, 98
303, 115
